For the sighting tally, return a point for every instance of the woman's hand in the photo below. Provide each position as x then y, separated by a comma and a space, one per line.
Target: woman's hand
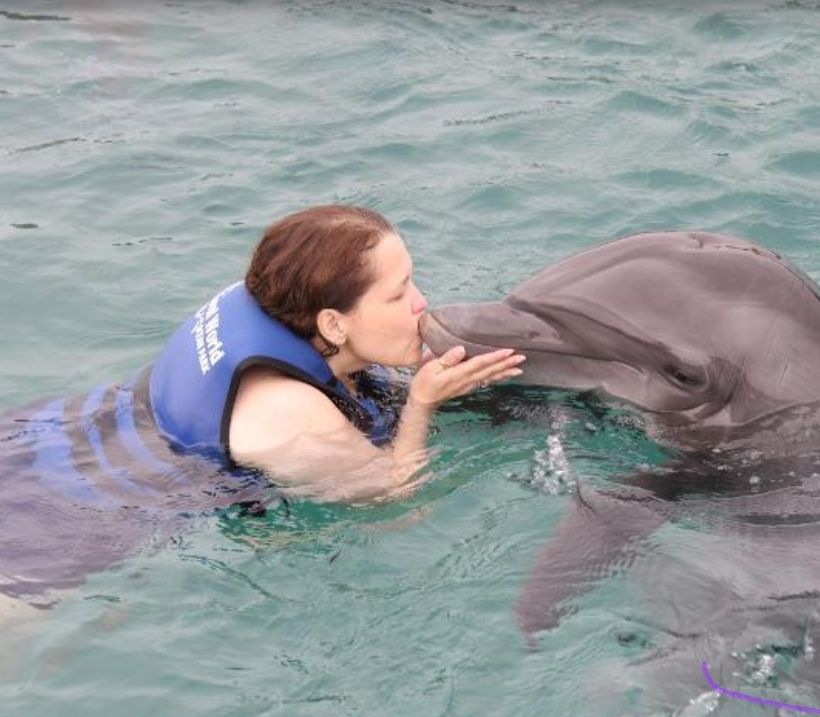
449, 375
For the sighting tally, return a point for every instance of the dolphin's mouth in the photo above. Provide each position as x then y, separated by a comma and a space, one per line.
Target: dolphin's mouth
489, 326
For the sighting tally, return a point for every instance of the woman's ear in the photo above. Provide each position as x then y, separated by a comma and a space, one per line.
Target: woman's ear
330, 325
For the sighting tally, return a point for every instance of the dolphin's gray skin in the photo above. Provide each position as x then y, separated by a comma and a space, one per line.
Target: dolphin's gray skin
703, 332
717, 341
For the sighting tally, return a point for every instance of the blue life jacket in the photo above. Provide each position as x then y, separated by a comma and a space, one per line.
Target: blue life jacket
195, 379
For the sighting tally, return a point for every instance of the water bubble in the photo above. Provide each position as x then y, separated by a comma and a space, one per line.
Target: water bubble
808, 648
700, 706
762, 665
766, 668
550, 468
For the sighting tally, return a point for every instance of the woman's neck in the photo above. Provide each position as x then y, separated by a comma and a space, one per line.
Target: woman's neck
342, 364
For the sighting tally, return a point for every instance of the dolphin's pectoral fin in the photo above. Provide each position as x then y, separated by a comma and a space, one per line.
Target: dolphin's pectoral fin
592, 541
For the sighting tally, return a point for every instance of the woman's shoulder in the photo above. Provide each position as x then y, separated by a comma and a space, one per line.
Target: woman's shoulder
273, 408
262, 384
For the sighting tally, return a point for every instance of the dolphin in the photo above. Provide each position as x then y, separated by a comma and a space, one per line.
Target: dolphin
705, 333
716, 342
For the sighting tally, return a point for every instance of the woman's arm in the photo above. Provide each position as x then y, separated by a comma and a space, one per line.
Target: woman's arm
294, 432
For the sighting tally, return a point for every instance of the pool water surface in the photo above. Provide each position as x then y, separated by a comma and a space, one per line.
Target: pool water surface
145, 148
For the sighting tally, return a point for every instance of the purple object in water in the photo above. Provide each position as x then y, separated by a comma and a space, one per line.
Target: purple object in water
756, 700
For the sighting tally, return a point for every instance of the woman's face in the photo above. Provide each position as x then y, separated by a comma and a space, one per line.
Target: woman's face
383, 327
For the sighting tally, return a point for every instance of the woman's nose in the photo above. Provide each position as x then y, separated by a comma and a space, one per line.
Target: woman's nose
419, 302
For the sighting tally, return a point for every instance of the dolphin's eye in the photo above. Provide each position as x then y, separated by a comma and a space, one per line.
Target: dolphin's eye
677, 376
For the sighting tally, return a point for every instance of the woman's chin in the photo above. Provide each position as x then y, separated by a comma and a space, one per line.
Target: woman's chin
411, 359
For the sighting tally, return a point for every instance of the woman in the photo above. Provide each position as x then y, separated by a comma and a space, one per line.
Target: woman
274, 374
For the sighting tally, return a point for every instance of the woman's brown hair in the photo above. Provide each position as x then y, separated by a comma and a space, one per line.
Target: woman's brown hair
312, 260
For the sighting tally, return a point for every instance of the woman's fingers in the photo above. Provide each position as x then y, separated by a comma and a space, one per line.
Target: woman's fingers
498, 377
506, 369
452, 375
486, 383
482, 367
452, 357
482, 361
484, 370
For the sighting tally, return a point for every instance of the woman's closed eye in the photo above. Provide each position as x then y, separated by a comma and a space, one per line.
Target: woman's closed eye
401, 291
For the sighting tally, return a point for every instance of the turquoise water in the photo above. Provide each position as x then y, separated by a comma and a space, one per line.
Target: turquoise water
145, 148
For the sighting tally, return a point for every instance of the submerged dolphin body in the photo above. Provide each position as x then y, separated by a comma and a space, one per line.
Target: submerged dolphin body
717, 342
76, 499
703, 332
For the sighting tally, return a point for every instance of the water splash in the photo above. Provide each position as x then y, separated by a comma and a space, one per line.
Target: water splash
700, 706
550, 468
805, 709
